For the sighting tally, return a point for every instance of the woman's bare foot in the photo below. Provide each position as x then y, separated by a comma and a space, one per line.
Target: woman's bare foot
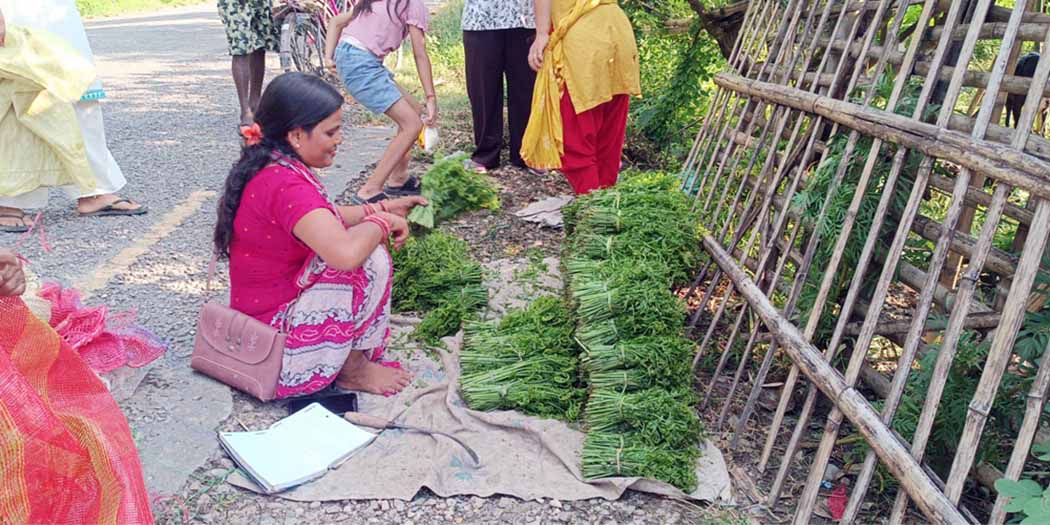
108, 205
363, 375
14, 220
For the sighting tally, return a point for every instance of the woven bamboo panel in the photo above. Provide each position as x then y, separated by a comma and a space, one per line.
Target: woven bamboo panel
875, 175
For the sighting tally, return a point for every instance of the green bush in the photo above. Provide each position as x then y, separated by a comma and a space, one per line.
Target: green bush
93, 8
676, 73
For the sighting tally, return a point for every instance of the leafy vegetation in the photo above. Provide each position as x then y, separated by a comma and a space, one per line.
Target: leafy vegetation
451, 189
1008, 409
677, 65
822, 193
436, 275
608, 454
627, 245
525, 361
95, 8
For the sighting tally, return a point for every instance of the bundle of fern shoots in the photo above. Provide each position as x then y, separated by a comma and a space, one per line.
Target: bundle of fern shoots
436, 274
656, 416
450, 189
627, 455
526, 361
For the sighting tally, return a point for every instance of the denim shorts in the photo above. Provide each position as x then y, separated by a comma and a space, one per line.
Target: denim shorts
366, 78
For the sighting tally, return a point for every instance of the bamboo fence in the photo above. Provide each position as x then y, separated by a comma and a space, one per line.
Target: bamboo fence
882, 86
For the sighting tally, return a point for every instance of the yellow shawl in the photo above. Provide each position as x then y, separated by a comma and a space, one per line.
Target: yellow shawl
543, 145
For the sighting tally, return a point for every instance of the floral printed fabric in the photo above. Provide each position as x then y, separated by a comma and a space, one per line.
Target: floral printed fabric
249, 25
337, 313
487, 15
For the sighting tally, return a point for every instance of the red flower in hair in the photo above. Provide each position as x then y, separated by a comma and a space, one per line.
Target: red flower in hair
252, 134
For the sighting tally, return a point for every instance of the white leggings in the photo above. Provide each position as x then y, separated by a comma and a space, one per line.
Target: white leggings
108, 176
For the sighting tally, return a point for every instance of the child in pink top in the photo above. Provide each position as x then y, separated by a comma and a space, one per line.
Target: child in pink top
357, 43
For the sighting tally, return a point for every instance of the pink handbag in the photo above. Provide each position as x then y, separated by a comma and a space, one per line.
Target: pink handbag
238, 350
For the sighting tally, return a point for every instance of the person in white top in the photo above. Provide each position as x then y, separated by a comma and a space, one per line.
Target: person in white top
62, 18
497, 35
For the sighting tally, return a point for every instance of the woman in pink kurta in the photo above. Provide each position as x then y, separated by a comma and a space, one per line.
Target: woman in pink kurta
298, 262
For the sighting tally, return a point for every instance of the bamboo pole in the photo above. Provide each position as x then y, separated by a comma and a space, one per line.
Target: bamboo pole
817, 308
707, 295
1029, 426
1016, 304
805, 508
913, 340
962, 301
973, 321
1001, 163
980, 198
758, 8
1000, 352
722, 95
811, 247
909, 274
772, 9
883, 441
814, 132
776, 178
964, 244
728, 98
977, 79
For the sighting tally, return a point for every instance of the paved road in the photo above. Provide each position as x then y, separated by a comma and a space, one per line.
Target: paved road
171, 119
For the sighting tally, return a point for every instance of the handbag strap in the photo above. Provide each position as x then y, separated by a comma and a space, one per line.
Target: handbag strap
211, 270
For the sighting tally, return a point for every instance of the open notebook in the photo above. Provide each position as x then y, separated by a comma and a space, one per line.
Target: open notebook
296, 449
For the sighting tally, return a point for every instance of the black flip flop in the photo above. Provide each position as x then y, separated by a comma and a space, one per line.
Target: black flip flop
112, 211
14, 229
412, 186
358, 201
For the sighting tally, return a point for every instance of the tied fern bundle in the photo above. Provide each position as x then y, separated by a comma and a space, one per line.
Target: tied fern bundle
657, 417
436, 274
622, 210
634, 180
622, 290
674, 249
446, 319
629, 379
625, 455
543, 328
451, 189
542, 386
668, 314
667, 356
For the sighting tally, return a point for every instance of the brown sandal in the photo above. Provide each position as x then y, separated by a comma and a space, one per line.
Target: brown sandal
14, 229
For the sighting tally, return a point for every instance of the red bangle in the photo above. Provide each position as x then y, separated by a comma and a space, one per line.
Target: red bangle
369, 209
382, 206
381, 222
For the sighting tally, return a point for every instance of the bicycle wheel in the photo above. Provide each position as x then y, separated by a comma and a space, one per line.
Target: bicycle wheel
306, 43
286, 41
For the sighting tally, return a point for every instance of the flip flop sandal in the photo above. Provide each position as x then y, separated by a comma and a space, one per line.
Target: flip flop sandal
112, 211
412, 186
14, 229
358, 201
473, 166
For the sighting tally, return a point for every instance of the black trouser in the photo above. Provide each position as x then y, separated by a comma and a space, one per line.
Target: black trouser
490, 55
